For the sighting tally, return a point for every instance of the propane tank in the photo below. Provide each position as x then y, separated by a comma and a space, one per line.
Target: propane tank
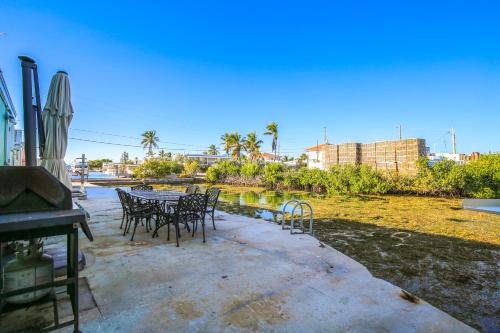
29, 268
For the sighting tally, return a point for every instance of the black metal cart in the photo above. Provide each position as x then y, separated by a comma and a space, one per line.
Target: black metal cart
34, 204
25, 226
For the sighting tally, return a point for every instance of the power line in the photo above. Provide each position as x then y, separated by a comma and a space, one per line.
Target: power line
137, 146
128, 145
134, 138
287, 151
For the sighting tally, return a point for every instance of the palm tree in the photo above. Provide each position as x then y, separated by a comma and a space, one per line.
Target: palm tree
236, 144
162, 154
212, 150
252, 145
149, 140
302, 159
124, 158
226, 141
272, 129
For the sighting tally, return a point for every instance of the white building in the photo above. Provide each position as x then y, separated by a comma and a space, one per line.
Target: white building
316, 156
435, 157
207, 160
10, 142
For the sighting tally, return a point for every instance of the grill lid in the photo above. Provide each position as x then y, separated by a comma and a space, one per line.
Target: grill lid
26, 189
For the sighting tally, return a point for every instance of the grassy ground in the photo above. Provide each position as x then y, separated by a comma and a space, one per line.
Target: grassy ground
429, 246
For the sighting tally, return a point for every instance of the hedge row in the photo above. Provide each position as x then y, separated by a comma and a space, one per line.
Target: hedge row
479, 178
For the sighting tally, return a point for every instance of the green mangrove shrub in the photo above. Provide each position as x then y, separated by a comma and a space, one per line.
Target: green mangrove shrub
250, 170
273, 174
479, 179
155, 168
190, 168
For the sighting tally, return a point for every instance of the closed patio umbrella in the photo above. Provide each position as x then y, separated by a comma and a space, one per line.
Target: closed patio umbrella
57, 115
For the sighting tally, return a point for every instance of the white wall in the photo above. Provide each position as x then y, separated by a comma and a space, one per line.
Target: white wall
316, 159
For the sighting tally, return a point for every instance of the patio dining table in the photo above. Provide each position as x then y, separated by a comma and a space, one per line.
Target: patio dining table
166, 200
169, 197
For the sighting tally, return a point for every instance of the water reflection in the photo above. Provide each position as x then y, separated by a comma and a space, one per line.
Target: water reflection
273, 199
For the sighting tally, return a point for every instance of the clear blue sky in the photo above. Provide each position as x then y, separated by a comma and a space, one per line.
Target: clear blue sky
194, 70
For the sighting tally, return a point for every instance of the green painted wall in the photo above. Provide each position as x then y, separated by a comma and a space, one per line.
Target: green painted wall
3, 132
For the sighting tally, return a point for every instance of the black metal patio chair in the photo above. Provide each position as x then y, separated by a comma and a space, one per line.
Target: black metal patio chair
213, 197
136, 212
189, 209
196, 207
121, 197
192, 189
141, 187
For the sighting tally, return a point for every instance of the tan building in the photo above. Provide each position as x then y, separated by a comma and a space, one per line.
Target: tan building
399, 155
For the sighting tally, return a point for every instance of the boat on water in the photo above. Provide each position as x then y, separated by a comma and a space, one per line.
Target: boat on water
77, 168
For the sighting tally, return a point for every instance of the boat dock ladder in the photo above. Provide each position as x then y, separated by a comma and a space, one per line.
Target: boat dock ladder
298, 212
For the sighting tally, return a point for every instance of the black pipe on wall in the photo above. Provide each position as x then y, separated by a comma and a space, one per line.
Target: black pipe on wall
27, 65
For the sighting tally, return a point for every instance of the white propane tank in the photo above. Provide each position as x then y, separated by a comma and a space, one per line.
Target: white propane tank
30, 268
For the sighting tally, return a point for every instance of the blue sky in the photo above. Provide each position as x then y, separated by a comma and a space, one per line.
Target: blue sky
195, 70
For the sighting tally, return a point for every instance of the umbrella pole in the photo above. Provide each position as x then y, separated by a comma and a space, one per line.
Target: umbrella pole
38, 110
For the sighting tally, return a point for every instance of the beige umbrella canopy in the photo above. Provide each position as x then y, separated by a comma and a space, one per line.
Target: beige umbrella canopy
56, 116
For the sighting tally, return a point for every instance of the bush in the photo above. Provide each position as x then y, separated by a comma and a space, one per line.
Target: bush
154, 168
250, 170
191, 168
220, 171
212, 175
480, 178
230, 168
97, 164
273, 174
483, 177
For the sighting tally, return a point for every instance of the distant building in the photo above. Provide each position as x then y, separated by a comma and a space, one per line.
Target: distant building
8, 144
316, 156
458, 158
119, 169
473, 156
206, 159
267, 157
397, 156
17, 150
435, 157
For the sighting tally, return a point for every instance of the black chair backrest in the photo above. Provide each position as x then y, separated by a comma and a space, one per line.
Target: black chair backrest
121, 196
192, 189
142, 187
195, 203
213, 196
131, 203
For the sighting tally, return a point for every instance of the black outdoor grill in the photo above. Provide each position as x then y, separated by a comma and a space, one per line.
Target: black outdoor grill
35, 204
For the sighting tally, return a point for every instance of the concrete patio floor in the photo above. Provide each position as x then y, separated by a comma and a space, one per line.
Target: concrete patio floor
249, 276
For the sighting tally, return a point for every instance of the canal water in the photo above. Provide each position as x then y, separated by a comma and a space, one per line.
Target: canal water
93, 175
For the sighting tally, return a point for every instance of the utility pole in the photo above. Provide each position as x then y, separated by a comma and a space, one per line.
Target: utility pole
82, 181
326, 137
317, 150
453, 141
400, 131
83, 193
279, 151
